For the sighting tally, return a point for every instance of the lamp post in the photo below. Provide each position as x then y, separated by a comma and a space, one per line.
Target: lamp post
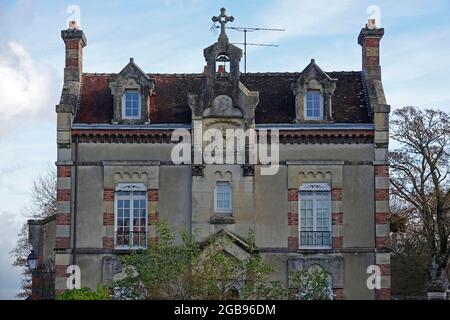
32, 261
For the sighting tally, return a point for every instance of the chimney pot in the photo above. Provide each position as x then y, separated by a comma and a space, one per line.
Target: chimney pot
73, 25
372, 24
205, 69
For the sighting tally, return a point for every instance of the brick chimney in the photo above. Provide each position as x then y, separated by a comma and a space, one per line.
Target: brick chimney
75, 41
369, 39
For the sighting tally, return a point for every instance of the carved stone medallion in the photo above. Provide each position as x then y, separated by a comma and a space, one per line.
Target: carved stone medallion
223, 104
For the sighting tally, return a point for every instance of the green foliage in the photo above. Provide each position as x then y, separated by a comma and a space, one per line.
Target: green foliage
167, 270
310, 285
409, 276
102, 293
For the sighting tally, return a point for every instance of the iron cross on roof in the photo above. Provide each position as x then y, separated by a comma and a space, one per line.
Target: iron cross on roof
223, 19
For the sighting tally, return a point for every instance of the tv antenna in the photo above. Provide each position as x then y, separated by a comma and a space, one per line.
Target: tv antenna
246, 30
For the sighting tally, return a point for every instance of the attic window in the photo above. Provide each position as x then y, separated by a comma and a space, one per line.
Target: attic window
314, 105
132, 105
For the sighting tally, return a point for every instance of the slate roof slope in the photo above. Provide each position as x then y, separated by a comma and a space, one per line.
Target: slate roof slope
276, 105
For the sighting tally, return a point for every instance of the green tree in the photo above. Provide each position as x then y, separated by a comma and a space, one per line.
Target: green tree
190, 270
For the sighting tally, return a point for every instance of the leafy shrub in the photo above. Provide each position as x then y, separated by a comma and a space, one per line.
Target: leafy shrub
102, 293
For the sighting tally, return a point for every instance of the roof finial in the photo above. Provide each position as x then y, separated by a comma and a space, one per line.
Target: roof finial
222, 19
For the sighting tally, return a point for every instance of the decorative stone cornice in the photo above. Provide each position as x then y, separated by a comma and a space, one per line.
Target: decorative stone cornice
122, 136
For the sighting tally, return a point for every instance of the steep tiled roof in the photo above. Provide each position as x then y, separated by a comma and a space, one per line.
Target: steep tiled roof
276, 105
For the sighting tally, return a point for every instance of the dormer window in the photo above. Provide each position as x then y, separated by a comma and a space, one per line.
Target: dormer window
313, 91
131, 89
314, 105
132, 105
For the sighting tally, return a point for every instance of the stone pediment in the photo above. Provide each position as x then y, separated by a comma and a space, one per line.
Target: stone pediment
313, 73
132, 71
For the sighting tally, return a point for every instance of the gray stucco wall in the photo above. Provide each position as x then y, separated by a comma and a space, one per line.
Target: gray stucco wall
272, 209
175, 196
359, 206
90, 207
91, 269
355, 276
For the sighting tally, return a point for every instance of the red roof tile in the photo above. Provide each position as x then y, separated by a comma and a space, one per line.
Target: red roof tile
276, 105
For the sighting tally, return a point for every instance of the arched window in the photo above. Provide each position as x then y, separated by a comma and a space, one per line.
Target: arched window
223, 64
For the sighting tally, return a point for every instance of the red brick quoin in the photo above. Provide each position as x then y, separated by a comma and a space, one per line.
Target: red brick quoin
63, 195
383, 294
336, 194
338, 294
382, 194
63, 219
62, 243
382, 217
338, 218
293, 195
108, 195
338, 242
292, 244
60, 271
108, 243
63, 171
108, 219
383, 242
153, 195
382, 171
293, 219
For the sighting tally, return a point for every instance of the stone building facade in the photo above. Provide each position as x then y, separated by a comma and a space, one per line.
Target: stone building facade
327, 206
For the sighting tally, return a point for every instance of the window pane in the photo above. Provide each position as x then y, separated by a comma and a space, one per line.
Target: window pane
315, 219
223, 196
132, 104
313, 104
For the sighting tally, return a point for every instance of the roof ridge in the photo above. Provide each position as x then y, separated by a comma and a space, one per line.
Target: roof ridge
268, 73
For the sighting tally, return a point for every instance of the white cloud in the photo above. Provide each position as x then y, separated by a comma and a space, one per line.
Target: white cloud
28, 90
9, 275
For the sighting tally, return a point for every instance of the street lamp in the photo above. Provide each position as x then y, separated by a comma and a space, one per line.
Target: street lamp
32, 261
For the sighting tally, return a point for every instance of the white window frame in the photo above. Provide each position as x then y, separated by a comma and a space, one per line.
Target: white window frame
321, 105
229, 210
124, 105
319, 191
131, 188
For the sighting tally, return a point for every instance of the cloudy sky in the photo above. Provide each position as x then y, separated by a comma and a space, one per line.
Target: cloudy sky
169, 36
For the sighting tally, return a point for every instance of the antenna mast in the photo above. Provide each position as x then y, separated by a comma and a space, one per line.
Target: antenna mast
245, 30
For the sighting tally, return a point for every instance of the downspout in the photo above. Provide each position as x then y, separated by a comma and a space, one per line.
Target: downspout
75, 201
